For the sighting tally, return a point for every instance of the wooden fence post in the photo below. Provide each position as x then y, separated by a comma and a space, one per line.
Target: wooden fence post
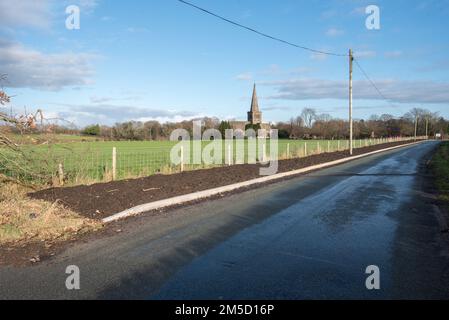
61, 174
288, 150
305, 149
114, 163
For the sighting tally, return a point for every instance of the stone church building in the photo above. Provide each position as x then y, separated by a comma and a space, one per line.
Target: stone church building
254, 116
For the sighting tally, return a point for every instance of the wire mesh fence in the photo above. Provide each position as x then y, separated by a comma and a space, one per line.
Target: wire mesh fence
96, 163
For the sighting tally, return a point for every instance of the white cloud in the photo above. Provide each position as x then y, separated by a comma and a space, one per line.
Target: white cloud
137, 30
359, 11
109, 114
29, 68
328, 14
89, 5
364, 54
399, 91
318, 56
25, 13
246, 76
273, 69
393, 54
38, 13
99, 100
334, 32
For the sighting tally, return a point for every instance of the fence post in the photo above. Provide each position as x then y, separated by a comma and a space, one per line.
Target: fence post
328, 146
114, 163
182, 158
288, 150
264, 153
229, 155
305, 149
338, 145
319, 147
61, 174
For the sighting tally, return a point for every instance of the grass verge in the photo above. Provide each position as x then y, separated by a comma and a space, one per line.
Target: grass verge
440, 169
25, 220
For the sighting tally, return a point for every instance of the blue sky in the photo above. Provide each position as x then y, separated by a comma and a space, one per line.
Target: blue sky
160, 59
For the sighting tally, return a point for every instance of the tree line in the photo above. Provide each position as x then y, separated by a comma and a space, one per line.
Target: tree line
308, 125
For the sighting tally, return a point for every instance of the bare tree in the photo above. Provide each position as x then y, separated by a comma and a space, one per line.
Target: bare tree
309, 116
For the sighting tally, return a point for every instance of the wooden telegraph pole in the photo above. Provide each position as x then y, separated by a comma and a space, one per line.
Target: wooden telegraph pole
351, 59
416, 126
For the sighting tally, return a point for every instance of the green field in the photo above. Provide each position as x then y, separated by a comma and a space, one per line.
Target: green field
91, 161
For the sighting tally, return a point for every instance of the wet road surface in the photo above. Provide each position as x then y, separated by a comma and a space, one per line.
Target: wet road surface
311, 237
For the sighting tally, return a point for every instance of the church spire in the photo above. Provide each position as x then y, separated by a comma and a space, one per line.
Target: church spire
254, 115
254, 102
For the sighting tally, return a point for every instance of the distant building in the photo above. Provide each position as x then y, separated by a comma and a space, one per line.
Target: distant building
254, 117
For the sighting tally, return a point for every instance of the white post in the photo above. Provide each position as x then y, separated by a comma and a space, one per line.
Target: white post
338, 145
264, 153
288, 150
328, 146
229, 155
114, 163
182, 158
305, 149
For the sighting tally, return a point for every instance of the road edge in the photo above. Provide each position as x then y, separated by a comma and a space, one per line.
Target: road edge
155, 205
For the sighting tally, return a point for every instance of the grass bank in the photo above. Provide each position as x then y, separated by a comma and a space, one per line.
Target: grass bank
23, 219
440, 168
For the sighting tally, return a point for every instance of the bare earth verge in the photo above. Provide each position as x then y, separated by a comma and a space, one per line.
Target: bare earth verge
101, 200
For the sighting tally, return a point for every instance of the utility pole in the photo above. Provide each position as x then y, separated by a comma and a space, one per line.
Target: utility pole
416, 126
351, 59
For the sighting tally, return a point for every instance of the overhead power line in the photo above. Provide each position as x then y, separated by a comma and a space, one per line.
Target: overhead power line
374, 85
371, 81
262, 33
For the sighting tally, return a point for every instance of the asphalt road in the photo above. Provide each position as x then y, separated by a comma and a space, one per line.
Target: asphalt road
311, 237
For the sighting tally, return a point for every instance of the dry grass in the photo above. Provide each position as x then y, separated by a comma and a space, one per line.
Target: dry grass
23, 219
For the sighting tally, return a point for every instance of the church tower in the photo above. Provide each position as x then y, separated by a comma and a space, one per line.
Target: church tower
254, 115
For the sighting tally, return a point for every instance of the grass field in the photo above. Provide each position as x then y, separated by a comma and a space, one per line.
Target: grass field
86, 160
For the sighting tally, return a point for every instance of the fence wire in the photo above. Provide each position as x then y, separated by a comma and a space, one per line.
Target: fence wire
95, 163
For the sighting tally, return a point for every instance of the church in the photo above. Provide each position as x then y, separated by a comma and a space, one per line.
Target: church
254, 117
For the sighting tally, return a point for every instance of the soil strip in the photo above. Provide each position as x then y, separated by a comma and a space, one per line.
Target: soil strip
101, 200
